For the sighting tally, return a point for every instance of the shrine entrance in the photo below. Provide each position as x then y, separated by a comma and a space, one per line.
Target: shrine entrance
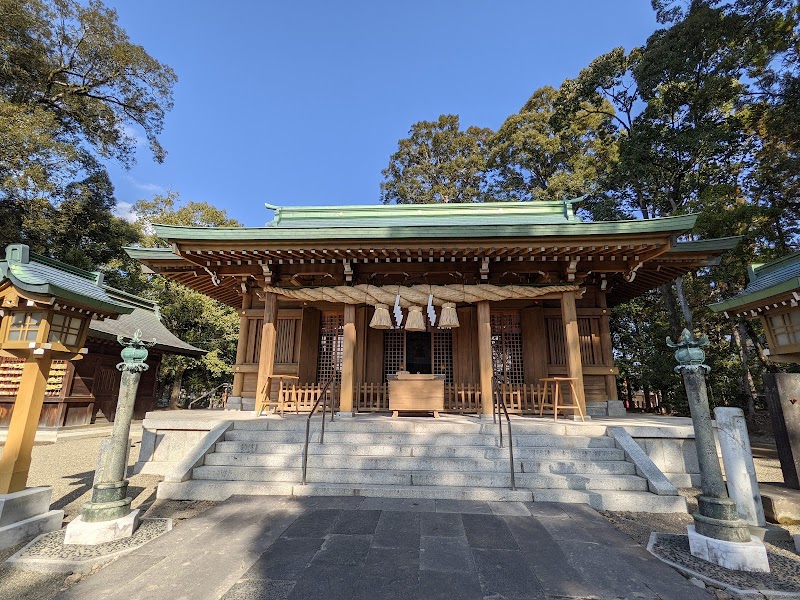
419, 352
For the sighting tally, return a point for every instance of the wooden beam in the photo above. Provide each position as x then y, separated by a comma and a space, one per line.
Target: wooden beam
485, 355
266, 355
348, 359
572, 345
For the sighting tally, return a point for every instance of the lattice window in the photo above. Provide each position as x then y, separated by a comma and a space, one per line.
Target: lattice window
443, 354
285, 349
254, 330
786, 328
507, 348
331, 345
588, 334
557, 354
394, 352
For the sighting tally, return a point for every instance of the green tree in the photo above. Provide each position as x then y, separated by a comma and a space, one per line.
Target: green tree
192, 316
74, 92
535, 156
438, 162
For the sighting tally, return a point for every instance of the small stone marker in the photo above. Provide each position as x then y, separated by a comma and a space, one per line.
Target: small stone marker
740, 471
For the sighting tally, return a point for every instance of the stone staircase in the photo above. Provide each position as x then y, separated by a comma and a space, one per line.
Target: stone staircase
453, 458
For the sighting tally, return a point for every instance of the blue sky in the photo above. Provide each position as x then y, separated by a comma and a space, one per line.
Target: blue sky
303, 102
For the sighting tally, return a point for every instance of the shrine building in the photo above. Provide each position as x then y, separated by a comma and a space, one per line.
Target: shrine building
490, 298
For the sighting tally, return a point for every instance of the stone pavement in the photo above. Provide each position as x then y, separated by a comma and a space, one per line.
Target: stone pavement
386, 548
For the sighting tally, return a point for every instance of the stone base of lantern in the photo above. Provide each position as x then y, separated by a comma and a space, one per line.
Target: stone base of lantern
90, 534
26, 514
738, 556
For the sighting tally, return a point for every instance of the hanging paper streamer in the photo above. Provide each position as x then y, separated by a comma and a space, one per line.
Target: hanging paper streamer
431, 310
398, 314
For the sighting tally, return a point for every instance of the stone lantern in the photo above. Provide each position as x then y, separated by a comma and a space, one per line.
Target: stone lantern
45, 310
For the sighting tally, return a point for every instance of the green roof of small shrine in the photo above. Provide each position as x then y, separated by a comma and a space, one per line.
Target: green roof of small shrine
38, 274
411, 221
767, 281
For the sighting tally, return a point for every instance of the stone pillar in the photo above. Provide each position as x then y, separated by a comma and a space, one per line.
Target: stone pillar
740, 472
485, 356
783, 398
718, 534
16, 459
108, 516
348, 360
266, 355
572, 346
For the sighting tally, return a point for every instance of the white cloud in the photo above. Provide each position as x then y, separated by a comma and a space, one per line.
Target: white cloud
130, 132
150, 188
124, 210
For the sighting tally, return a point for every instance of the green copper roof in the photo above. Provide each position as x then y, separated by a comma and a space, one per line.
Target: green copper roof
424, 221
41, 275
710, 245
411, 215
37, 274
768, 280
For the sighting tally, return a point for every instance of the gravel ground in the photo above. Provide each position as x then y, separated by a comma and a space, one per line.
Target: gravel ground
68, 467
639, 526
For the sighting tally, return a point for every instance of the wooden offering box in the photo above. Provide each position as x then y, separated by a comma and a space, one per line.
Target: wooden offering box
416, 393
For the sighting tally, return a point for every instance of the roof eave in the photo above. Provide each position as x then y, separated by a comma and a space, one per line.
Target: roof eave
744, 301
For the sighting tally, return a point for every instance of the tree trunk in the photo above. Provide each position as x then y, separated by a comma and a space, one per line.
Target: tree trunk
647, 398
685, 309
672, 310
762, 355
175, 390
748, 385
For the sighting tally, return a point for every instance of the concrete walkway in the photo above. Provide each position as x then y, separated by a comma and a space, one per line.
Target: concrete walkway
377, 548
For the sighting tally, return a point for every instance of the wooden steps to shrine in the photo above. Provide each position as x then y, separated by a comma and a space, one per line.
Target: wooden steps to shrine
422, 458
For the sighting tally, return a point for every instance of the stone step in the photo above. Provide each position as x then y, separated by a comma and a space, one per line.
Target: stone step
346, 437
525, 480
490, 452
425, 478
558, 453
222, 490
356, 425
385, 424
617, 501
409, 463
413, 439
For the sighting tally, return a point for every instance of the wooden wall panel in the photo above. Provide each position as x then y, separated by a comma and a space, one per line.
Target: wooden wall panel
309, 345
466, 368
363, 317
373, 367
534, 344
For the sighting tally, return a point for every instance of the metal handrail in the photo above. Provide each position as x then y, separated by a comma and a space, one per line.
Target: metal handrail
207, 394
497, 402
323, 396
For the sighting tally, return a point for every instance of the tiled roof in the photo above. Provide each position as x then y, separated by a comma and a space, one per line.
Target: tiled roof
768, 280
152, 330
38, 274
41, 275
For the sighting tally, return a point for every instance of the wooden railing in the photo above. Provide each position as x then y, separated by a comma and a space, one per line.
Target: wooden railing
520, 398
301, 397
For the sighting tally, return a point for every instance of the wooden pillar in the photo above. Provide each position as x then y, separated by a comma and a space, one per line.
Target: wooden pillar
348, 359
241, 348
607, 347
572, 345
266, 355
16, 459
485, 356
